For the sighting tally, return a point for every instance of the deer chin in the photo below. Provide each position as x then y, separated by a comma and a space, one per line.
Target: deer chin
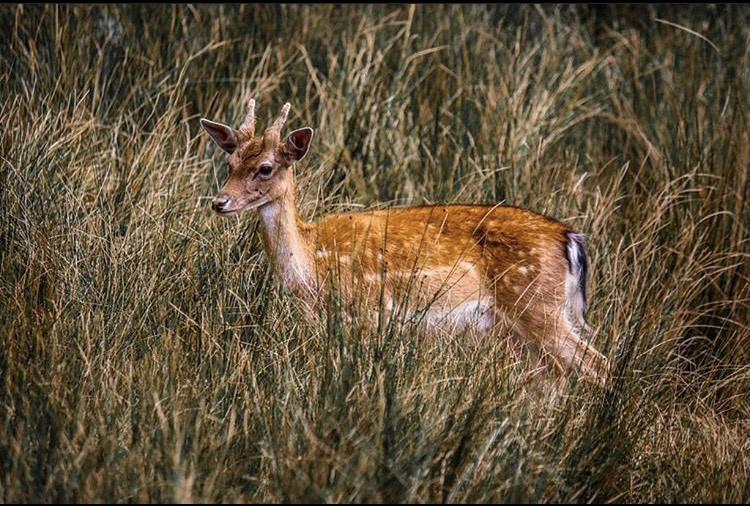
247, 207
255, 204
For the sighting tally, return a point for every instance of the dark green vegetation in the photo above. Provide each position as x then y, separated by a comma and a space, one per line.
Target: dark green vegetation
148, 354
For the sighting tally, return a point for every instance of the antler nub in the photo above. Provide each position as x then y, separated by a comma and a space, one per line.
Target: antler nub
248, 126
279, 123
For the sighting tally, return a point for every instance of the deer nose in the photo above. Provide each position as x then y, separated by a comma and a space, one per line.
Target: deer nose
219, 203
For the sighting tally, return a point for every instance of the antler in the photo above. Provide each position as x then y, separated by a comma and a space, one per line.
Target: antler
279, 123
274, 131
248, 126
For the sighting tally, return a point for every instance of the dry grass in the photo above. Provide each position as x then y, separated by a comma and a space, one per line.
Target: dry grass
147, 354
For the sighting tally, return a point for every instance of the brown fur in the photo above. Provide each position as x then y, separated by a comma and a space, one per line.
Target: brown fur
492, 264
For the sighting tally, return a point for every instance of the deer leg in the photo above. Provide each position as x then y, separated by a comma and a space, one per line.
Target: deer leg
571, 351
542, 373
560, 346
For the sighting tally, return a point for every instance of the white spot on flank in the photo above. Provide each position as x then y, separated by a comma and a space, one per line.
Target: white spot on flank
321, 253
467, 266
523, 270
373, 278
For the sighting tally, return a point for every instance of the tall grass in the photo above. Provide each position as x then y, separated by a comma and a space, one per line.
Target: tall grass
148, 354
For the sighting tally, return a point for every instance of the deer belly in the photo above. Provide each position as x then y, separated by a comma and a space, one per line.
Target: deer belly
473, 314
446, 300
462, 307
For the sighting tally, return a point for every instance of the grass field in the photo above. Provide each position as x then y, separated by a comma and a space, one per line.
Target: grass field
148, 354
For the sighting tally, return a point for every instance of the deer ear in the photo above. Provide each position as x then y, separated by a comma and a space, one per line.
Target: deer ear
225, 137
297, 143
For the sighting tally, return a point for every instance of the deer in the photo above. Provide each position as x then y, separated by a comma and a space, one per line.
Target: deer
461, 267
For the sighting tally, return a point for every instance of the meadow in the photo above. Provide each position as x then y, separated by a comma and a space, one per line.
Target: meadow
148, 354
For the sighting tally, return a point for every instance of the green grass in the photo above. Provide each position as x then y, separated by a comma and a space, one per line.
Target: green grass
148, 354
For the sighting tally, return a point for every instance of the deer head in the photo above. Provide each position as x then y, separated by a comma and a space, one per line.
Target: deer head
260, 167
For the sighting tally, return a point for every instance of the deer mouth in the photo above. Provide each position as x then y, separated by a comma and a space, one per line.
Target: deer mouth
227, 212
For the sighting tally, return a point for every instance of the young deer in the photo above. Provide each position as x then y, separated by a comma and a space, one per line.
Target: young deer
467, 266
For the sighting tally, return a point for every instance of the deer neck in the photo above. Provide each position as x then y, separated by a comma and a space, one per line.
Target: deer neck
286, 244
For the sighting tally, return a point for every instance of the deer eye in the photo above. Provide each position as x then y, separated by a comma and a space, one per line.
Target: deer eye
265, 170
